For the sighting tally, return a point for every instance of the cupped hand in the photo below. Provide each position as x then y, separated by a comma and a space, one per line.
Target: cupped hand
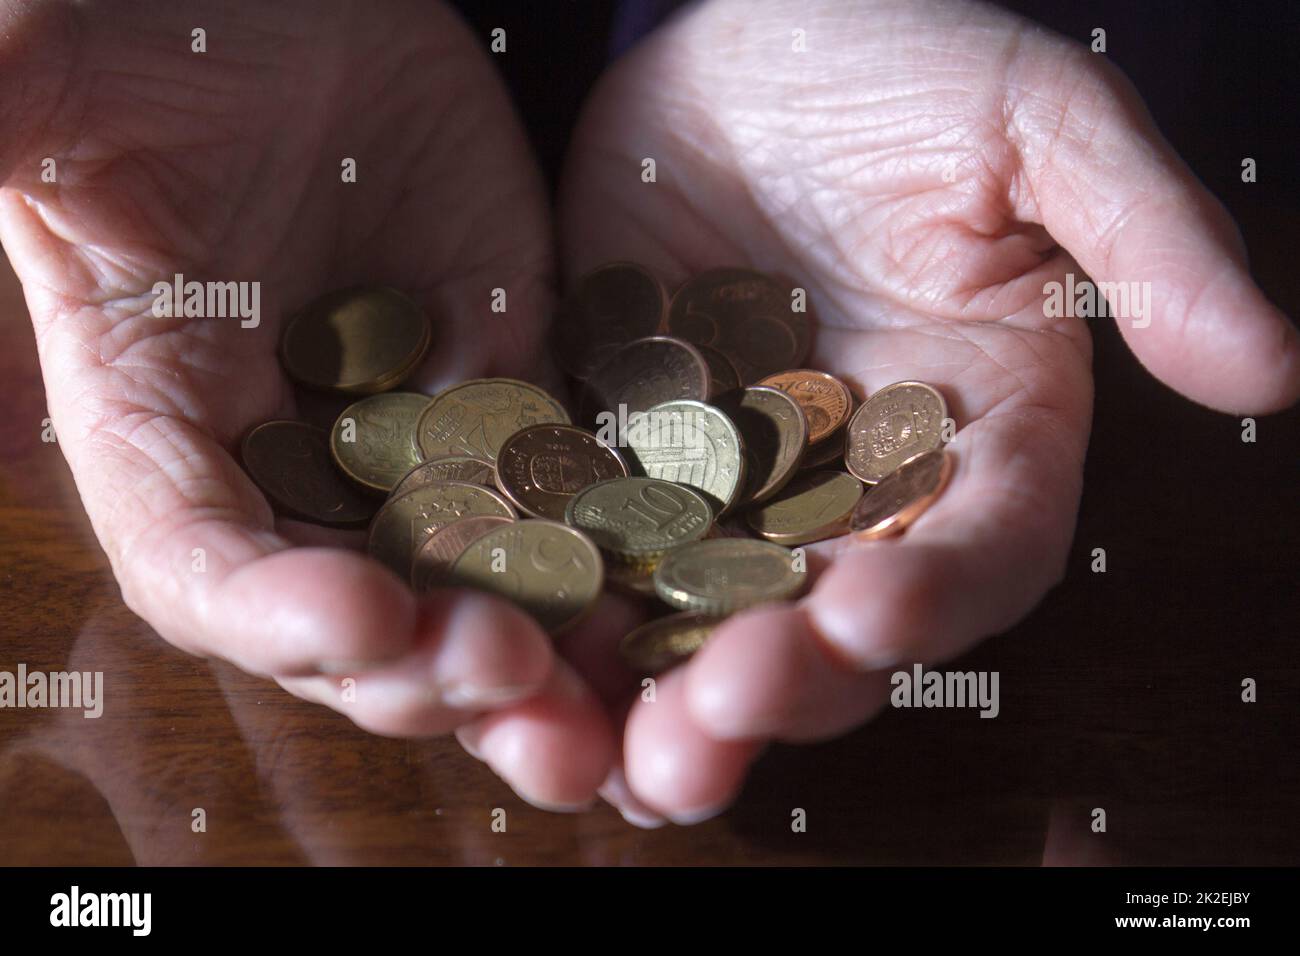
227, 165
923, 169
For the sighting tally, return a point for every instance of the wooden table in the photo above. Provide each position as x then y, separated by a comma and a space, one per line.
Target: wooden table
1121, 691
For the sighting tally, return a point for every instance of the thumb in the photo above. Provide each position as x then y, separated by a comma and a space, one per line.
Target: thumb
36, 41
1111, 190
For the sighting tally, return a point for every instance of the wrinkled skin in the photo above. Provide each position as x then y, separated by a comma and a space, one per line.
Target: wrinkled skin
827, 166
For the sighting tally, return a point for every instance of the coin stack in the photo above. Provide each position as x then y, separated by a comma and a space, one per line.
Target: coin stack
704, 453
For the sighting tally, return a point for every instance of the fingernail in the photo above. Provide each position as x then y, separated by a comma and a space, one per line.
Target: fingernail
688, 818
558, 807
472, 697
468, 736
342, 668
646, 821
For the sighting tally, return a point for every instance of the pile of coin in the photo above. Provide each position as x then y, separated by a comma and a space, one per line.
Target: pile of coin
704, 452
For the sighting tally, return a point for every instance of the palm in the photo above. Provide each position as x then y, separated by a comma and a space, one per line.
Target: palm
227, 166
908, 170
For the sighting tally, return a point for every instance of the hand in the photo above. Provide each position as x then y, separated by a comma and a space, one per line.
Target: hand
226, 165
828, 166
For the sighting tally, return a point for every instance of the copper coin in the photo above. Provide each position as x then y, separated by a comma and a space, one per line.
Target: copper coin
892, 427
440, 550
746, 315
359, 341
901, 497
290, 462
826, 451
774, 433
477, 471
825, 400
645, 373
609, 307
539, 468
723, 377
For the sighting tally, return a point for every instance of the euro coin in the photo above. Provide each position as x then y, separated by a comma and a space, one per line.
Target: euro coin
901, 497
693, 444
827, 402
774, 432
814, 506
825, 452
440, 550
402, 524
290, 463
609, 307
724, 575
359, 341
477, 471
747, 316
475, 417
723, 377
550, 570
637, 519
654, 647
371, 439
893, 426
539, 468
645, 373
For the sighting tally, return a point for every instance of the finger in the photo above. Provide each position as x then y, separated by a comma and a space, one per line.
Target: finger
672, 766
765, 674
554, 749
1112, 191
474, 653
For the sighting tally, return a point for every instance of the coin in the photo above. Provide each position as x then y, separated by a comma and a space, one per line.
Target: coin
609, 307
633, 580
902, 496
403, 523
722, 374
475, 417
360, 341
642, 374
825, 451
747, 316
723, 575
539, 468
814, 506
371, 439
894, 425
638, 519
550, 570
478, 471
660, 644
290, 463
825, 400
434, 557
774, 432
693, 444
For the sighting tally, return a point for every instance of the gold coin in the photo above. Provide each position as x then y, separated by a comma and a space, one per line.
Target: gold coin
774, 432
477, 471
630, 579
441, 549
402, 524
539, 468
902, 496
724, 575
814, 506
638, 519
371, 439
475, 417
693, 444
746, 315
609, 307
359, 341
550, 570
893, 426
654, 647
290, 463
826, 401
644, 373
